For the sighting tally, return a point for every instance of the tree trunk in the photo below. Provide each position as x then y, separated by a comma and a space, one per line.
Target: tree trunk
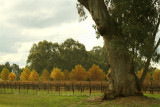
123, 81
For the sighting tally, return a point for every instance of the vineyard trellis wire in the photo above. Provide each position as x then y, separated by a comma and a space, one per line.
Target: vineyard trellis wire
54, 86
59, 87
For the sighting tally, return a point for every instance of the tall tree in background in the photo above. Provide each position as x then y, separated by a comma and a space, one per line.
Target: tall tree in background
4, 74
34, 76
129, 29
25, 74
43, 55
72, 53
98, 56
46, 55
16, 70
12, 76
78, 74
96, 74
45, 76
57, 74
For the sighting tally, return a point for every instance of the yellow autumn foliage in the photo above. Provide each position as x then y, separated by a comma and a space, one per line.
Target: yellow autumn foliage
96, 74
79, 73
34, 76
25, 74
156, 75
66, 74
12, 76
56, 74
45, 75
4, 74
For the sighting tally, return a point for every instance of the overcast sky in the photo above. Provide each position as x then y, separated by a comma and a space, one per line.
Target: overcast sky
24, 22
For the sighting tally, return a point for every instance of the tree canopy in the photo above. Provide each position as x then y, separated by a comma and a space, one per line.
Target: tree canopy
46, 55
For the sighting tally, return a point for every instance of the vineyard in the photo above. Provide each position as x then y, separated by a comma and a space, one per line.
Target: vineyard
71, 87
65, 87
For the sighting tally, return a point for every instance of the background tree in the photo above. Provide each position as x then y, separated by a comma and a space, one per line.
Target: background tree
34, 76
25, 74
56, 74
45, 76
16, 70
66, 74
13, 68
79, 73
43, 55
65, 56
96, 74
156, 75
4, 74
129, 29
12, 76
98, 56
72, 53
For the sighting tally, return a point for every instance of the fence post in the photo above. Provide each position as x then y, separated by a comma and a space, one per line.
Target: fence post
27, 87
81, 88
4, 86
48, 87
59, 89
64, 87
39, 86
90, 88
51, 86
19, 87
73, 88
15, 86
101, 87
11, 88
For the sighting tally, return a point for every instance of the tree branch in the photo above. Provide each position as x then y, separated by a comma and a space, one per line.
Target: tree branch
145, 71
100, 15
84, 3
149, 57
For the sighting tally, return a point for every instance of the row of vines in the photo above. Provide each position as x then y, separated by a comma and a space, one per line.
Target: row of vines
68, 87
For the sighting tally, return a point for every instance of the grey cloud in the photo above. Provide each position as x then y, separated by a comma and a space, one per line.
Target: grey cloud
41, 14
8, 38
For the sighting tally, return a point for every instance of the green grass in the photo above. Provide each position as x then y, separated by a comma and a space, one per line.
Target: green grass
157, 96
19, 100
51, 100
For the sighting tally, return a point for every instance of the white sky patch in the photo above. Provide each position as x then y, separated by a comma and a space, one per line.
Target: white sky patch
24, 22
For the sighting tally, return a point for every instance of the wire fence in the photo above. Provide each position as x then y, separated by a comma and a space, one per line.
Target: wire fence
64, 87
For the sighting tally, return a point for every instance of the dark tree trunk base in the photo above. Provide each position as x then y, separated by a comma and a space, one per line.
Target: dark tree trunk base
108, 95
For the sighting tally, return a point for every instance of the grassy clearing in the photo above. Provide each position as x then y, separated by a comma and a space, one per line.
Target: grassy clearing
50, 100
19, 100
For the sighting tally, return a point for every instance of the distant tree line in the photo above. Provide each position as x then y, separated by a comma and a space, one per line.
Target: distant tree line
46, 55
12, 68
77, 74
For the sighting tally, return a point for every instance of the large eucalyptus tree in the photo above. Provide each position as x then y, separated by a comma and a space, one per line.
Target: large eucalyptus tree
129, 29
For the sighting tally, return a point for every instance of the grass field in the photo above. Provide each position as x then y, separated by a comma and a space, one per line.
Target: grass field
49, 100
